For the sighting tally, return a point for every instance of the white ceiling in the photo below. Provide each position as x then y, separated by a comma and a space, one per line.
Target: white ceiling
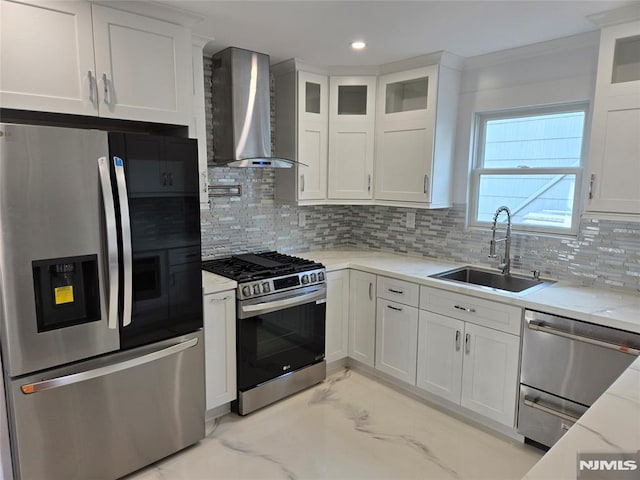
319, 32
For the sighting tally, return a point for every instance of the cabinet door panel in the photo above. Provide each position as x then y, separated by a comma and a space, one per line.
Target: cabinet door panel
403, 169
349, 169
490, 373
220, 348
147, 64
440, 341
397, 340
337, 329
47, 55
362, 316
312, 152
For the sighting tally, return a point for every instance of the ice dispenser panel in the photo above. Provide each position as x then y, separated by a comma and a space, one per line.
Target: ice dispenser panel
66, 291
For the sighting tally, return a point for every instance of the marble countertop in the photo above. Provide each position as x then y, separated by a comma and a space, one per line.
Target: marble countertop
212, 283
612, 424
609, 307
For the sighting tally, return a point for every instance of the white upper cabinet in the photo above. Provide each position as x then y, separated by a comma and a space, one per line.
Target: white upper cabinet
614, 166
143, 67
302, 114
351, 137
415, 130
47, 57
79, 58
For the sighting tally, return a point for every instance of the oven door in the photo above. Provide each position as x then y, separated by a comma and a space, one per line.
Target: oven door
280, 333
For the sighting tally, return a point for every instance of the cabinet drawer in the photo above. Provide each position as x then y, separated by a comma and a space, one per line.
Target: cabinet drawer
490, 314
398, 291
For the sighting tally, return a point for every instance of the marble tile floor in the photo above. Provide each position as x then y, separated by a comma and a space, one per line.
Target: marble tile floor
348, 427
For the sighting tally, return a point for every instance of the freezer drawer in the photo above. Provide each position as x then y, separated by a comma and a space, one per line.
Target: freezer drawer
545, 418
107, 417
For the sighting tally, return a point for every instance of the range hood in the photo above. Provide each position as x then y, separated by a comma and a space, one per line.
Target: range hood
242, 110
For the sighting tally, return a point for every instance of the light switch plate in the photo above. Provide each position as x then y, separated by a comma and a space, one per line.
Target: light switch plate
411, 220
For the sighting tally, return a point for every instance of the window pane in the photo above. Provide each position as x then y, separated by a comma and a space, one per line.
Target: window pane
534, 200
539, 141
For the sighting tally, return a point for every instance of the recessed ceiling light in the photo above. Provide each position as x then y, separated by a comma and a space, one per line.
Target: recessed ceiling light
358, 45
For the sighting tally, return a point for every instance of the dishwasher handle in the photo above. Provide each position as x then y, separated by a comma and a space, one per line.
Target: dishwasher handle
551, 411
539, 327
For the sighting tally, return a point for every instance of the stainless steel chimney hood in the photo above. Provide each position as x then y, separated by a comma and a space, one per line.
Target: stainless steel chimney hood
242, 110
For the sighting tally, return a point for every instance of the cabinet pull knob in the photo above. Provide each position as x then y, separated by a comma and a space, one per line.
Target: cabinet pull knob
370, 291
399, 292
467, 343
107, 96
592, 180
457, 340
425, 184
394, 308
465, 309
92, 98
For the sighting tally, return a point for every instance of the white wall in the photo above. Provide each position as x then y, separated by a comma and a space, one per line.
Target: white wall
559, 71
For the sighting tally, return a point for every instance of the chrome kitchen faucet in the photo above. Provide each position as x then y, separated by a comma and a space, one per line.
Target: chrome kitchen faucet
505, 264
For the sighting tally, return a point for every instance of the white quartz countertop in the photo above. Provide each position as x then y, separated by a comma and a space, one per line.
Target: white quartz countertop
609, 307
612, 424
212, 283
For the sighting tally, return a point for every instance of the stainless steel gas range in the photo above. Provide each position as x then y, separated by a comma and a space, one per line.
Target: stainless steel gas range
281, 308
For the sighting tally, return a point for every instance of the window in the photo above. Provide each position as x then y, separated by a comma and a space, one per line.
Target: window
531, 161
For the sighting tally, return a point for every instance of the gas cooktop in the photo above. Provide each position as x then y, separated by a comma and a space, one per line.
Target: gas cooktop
257, 266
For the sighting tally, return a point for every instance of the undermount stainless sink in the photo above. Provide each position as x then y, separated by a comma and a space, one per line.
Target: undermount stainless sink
491, 279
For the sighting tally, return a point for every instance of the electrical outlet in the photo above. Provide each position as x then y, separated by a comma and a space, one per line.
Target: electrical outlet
411, 220
302, 219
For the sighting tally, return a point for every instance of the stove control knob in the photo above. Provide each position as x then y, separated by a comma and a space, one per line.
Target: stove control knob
265, 287
320, 276
256, 289
246, 291
313, 277
305, 279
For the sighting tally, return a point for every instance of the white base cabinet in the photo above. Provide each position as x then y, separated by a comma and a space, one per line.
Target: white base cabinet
337, 327
397, 340
220, 348
362, 317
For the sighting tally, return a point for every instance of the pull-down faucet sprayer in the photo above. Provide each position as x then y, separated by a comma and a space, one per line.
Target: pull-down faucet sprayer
506, 264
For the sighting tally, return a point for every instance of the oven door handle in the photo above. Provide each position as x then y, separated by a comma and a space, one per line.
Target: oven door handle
266, 307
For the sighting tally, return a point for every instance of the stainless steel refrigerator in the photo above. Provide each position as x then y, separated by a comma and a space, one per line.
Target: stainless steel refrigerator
100, 300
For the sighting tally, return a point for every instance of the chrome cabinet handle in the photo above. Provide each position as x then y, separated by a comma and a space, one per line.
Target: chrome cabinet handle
370, 291
551, 411
107, 96
399, 292
591, 341
457, 340
467, 343
426, 184
223, 299
465, 309
92, 98
369, 183
592, 180
112, 242
302, 183
394, 308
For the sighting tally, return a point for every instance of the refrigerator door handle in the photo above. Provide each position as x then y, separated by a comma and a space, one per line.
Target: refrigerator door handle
44, 385
127, 267
112, 242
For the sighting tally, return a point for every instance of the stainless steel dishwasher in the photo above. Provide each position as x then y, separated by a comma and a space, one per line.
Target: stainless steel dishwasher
566, 365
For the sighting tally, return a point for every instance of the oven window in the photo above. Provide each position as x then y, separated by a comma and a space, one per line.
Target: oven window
275, 343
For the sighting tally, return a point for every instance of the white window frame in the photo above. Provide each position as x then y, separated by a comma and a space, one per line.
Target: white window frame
478, 141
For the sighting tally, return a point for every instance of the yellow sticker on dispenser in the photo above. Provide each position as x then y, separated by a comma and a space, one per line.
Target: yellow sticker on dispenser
63, 294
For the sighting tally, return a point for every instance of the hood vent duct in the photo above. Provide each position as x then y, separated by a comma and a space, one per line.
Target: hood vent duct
242, 110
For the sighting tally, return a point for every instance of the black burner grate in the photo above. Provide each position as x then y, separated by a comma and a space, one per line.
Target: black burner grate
249, 267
